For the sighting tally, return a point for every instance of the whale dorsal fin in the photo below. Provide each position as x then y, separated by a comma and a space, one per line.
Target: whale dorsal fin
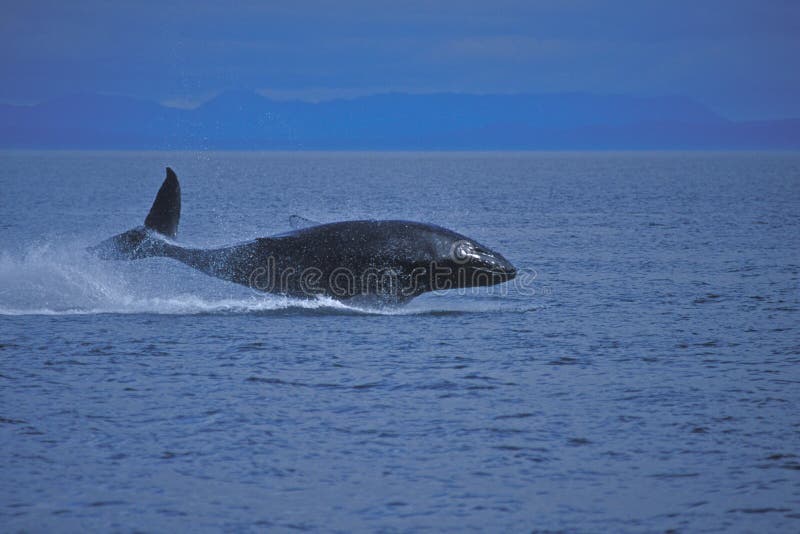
166, 210
298, 223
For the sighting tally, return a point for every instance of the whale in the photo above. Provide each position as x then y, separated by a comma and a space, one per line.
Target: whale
382, 261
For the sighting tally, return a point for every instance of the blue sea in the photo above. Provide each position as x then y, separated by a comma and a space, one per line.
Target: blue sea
644, 377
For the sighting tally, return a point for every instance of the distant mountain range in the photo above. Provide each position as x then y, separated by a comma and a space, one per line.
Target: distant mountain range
245, 120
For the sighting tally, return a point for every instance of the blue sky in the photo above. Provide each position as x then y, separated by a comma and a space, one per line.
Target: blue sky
738, 57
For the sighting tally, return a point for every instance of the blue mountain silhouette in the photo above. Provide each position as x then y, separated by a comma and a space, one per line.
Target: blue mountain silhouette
247, 120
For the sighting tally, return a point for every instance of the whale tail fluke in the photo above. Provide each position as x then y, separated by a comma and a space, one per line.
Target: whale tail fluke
146, 241
165, 214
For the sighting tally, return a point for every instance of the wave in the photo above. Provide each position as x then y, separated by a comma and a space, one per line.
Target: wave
61, 279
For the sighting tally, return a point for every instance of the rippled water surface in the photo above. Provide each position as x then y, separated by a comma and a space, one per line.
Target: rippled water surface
647, 379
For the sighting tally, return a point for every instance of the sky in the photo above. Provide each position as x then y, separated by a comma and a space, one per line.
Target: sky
740, 58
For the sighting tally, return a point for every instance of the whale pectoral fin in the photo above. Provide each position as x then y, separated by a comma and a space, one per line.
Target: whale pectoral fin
166, 210
298, 223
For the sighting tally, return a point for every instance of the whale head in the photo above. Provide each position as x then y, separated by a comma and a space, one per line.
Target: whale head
475, 265
461, 262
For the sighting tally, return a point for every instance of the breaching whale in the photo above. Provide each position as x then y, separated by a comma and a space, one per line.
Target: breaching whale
391, 260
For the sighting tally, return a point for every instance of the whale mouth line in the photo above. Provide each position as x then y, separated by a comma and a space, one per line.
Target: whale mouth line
505, 274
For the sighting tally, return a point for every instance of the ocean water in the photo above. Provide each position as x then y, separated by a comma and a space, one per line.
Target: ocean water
645, 377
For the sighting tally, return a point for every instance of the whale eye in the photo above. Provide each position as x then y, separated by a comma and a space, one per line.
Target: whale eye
462, 251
